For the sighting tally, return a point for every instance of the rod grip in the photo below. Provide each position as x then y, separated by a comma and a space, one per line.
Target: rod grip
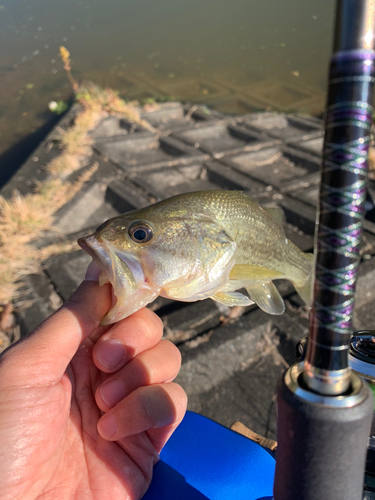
321, 449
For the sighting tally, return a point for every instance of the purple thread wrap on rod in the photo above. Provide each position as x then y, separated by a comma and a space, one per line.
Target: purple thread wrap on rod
342, 195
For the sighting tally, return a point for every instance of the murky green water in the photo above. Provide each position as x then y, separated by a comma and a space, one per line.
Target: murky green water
237, 55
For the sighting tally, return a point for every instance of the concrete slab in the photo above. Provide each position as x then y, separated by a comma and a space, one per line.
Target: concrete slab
233, 374
283, 126
144, 151
277, 165
217, 139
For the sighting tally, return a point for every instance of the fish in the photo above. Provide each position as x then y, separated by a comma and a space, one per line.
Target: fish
194, 246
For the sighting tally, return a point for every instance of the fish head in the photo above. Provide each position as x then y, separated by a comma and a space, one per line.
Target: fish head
151, 252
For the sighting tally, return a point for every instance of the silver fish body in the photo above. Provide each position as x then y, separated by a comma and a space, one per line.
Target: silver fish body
207, 244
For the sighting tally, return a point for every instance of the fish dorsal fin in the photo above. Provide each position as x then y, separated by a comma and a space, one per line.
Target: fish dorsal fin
276, 213
267, 297
253, 272
232, 299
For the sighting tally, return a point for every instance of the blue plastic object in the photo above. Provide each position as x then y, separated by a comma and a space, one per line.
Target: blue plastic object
205, 461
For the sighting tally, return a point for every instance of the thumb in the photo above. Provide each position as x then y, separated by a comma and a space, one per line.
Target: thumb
49, 349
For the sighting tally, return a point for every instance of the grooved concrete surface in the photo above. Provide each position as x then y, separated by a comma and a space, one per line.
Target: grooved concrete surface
231, 358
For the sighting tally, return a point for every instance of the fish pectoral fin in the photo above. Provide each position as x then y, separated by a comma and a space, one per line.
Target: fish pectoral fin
232, 299
253, 272
267, 297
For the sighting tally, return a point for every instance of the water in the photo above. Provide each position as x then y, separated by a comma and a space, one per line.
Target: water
228, 53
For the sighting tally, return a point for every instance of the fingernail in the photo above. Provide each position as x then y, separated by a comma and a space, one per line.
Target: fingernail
110, 353
107, 426
93, 272
112, 392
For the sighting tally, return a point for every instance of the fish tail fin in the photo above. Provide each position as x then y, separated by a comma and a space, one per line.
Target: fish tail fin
304, 288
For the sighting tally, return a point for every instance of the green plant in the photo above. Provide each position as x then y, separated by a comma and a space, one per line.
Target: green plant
58, 107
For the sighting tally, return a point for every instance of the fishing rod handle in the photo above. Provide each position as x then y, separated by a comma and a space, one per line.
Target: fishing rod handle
321, 445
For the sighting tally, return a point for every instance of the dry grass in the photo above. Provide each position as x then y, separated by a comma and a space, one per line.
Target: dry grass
75, 142
65, 56
64, 164
23, 215
22, 220
93, 97
57, 249
9, 330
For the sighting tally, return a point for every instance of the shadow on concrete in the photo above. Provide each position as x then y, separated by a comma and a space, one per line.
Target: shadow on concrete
13, 158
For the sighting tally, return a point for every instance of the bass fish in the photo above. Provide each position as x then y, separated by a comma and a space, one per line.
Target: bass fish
193, 246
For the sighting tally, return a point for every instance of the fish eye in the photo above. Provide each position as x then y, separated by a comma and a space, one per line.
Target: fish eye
141, 233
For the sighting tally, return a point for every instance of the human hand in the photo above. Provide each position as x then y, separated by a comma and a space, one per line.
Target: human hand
84, 409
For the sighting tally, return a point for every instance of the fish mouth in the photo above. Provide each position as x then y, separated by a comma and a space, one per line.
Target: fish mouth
99, 254
109, 260
129, 285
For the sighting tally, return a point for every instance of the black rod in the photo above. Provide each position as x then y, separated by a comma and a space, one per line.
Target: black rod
342, 195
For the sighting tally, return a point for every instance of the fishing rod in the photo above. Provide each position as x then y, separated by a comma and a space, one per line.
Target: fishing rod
324, 409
